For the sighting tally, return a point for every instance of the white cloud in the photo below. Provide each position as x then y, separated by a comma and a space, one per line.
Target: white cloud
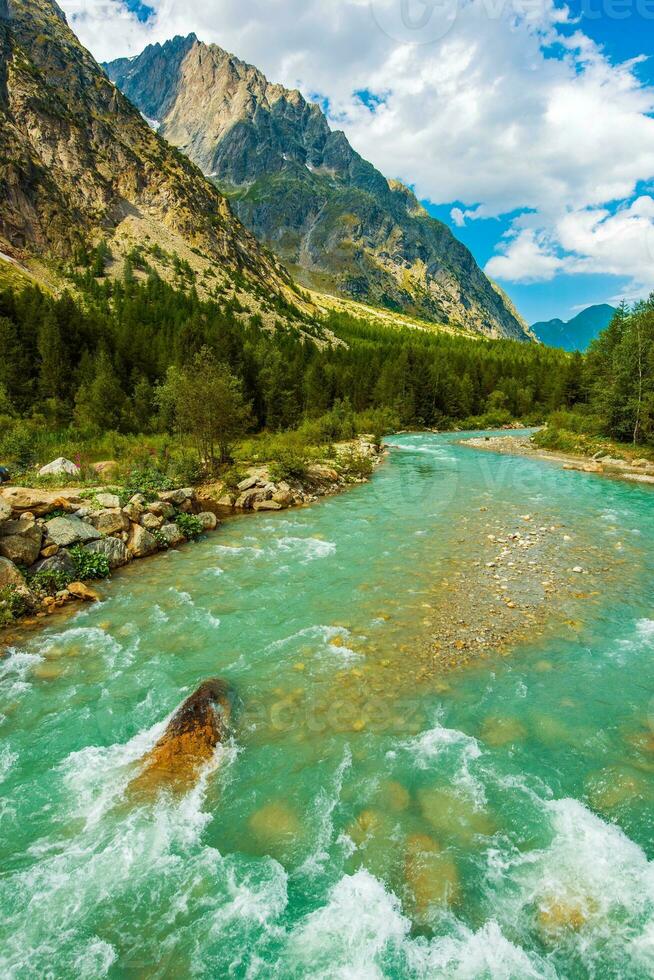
500, 111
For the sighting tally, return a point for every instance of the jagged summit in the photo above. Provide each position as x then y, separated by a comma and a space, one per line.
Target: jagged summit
302, 188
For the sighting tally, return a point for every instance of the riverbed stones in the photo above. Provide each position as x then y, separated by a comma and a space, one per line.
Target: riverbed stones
20, 541
113, 549
66, 531
9, 575
60, 467
140, 542
109, 521
249, 483
171, 535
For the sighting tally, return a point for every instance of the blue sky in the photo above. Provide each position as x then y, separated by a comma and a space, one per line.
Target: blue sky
525, 125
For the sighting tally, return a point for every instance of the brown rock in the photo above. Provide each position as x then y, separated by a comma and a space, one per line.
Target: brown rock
161, 509
39, 502
110, 521
322, 474
50, 551
203, 722
9, 575
151, 522
267, 505
209, 521
81, 591
140, 542
20, 541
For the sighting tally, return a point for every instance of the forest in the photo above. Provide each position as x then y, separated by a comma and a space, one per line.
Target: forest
96, 363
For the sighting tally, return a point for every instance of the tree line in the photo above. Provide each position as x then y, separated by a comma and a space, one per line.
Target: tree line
97, 362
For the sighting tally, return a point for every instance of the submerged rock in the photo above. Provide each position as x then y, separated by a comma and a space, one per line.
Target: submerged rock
431, 876
202, 722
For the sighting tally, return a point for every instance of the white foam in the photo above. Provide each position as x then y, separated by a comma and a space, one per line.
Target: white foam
8, 759
306, 549
451, 751
14, 671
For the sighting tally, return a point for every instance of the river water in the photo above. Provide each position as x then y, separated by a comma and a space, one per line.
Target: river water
495, 821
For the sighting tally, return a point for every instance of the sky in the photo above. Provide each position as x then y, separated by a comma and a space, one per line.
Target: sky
526, 125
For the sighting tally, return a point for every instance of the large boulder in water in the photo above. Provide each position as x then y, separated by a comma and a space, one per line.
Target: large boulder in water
195, 730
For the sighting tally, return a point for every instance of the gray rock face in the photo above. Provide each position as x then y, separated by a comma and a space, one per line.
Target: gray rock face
114, 550
161, 509
301, 188
209, 521
151, 522
66, 531
20, 541
9, 575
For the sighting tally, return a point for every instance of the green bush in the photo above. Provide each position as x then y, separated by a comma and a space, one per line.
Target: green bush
354, 465
184, 468
89, 564
13, 605
49, 583
289, 465
190, 526
149, 481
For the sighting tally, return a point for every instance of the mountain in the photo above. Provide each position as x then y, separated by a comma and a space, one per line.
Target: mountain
303, 190
78, 165
577, 333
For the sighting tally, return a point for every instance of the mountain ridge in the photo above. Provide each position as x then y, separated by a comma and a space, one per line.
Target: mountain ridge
78, 165
575, 334
300, 187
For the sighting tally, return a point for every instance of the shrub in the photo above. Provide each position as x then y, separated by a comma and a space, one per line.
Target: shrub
13, 604
190, 526
89, 564
184, 468
354, 465
49, 583
149, 481
289, 465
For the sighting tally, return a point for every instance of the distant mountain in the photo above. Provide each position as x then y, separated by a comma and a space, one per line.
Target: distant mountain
78, 165
301, 188
577, 333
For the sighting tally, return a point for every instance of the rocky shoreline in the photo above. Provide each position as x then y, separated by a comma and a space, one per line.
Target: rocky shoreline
637, 471
53, 542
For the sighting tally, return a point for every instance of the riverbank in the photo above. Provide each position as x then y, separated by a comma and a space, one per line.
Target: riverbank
54, 542
635, 470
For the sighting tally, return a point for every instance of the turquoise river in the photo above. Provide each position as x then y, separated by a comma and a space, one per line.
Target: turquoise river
367, 821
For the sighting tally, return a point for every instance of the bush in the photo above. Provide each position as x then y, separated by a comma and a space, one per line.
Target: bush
354, 465
289, 465
190, 526
49, 583
13, 605
184, 468
149, 481
89, 564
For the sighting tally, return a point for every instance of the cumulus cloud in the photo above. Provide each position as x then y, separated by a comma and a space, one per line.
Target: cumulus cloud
494, 105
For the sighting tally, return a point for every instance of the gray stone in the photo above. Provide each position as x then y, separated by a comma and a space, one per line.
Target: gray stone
113, 549
65, 531
20, 541
248, 483
5, 510
141, 542
133, 512
177, 497
60, 467
247, 500
171, 535
61, 563
110, 521
108, 501
9, 575
209, 521
161, 509
267, 505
